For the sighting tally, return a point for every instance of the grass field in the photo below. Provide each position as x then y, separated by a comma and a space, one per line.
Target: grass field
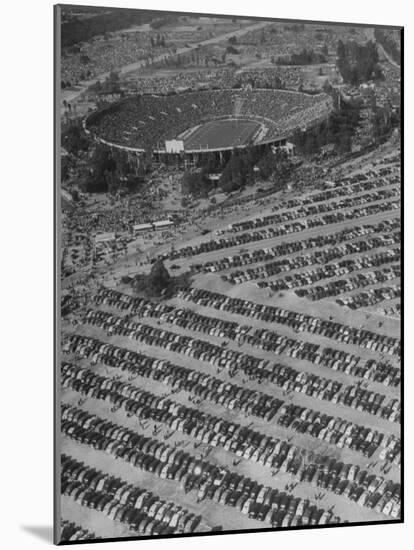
219, 134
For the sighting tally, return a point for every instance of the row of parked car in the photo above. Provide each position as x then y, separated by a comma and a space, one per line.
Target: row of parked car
346, 186
69, 531
265, 339
207, 479
320, 207
310, 276
140, 510
370, 297
381, 231
321, 257
240, 440
222, 357
339, 432
281, 230
299, 322
237, 397
389, 172
360, 280
332, 358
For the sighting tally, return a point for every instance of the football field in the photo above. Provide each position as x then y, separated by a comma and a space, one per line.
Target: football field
219, 134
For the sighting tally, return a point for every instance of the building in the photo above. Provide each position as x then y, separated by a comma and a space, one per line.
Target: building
104, 237
142, 227
163, 224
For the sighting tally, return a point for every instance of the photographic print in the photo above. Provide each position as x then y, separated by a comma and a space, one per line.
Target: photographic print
228, 274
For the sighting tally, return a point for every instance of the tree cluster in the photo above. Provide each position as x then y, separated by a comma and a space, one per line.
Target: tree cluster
158, 41
111, 85
162, 21
275, 165
295, 27
384, 120
358, 62
74, 139
389, 42
232, 50
108, 171
338, 130
78, 29
305, 57
238, 172
197, 183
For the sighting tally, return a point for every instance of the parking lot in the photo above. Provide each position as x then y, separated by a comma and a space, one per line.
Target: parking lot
265, 395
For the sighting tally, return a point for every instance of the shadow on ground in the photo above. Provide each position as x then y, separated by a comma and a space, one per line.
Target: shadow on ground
44, 533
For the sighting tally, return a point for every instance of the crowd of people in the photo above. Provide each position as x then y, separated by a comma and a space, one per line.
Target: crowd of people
223, 78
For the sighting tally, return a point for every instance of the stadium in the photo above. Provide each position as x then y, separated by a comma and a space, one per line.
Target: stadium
185, 125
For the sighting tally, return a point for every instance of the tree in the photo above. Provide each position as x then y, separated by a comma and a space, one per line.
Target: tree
159, 278
357, 62
102, 165
276, 165
74, 139
237, 173
159, 283
196, 183
232, 50
65, 166
339, 130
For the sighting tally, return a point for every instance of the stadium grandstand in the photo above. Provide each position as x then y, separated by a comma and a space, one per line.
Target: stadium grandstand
185, 125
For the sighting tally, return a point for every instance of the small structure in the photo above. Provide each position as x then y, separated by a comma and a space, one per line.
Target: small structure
141, 227
214, 177
163, 224
104, 237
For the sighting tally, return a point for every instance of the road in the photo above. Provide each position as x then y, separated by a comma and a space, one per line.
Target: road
71, 95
